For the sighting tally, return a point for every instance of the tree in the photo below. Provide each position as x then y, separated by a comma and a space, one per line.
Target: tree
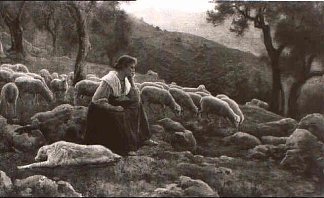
11, 13
80, 12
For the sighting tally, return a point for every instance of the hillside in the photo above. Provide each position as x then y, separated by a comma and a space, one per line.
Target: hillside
191, 60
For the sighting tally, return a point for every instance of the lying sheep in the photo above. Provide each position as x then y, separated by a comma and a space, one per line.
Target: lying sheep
184, 100
84, 88
8, 98
211, 104
63, 153
29, 85
150, 94
235, 107
144, 84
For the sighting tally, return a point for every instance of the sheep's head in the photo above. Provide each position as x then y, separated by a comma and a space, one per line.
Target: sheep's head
42, 154
177, 110
201, 87
237, 120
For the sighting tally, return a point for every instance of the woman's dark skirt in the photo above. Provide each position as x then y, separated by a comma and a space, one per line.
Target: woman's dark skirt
121, 132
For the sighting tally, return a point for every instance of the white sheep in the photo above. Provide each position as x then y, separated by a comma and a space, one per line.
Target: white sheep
63, 76
17, 67
235, 107
165, 86
55, 75
29, 85
144, 84
220, 96
202, 93
184, 100
152, 73
46, 75
6, 75
195, 98
94, 78
154, 95
8, 97
200, 88
211, 104
174, 86
84, 88
59, 88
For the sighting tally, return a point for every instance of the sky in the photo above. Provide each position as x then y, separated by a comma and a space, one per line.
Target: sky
176, 5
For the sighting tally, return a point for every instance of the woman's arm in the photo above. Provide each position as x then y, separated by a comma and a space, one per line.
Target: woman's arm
101, 96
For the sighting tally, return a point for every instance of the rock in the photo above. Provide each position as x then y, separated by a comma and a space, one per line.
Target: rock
196, 188
183, 141
266, 151
280, 128
314, 123
273, 140
295, 160
171, 126
244, 140
39, 185
258, 103
171, 190
28, 141
5, 184
157, 129
305, 141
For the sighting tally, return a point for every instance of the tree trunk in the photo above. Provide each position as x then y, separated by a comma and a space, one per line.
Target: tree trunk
84, 45
276, 87
54, 45
16, 33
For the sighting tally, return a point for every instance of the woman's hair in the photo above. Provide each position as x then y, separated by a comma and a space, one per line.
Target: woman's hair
124, 61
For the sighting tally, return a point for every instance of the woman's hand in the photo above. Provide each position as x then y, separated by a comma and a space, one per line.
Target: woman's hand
118, 108
131, 80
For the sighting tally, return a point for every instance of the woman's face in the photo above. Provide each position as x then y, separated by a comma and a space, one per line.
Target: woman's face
130, 70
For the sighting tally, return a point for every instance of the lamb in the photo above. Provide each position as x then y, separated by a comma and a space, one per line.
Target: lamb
211, 104
144, 84
8, 97
63, 153
29, 85
235, 107
184, 100
150, 94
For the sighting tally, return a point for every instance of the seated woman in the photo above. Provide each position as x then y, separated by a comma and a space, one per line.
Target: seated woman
116, 118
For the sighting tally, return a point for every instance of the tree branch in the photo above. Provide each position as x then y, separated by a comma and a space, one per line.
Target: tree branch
21, 10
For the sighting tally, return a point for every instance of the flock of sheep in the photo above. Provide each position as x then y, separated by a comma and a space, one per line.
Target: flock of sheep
16, 81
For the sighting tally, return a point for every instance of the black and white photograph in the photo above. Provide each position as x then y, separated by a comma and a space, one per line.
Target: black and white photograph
162, 98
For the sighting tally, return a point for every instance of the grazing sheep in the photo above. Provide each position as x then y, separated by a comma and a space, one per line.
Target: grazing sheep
55, 75
211, 104
221, 96
144, 84
59, 88
202, 93
150, 94
195, 98
235, 107
8, 97
6, 75
29, 85
200, 88
86, 87
63, 153
165, 86
184, 100
46, 75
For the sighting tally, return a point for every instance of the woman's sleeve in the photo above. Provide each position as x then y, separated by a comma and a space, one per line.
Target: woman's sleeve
103, 91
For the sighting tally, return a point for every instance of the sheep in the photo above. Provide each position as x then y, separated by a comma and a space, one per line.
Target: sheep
220, 96
235, 107
46, 75
200, 88
195, 98
152, 73
8, 97
211, 104
165, 86
70, 78
64, 153
150, 94
138, 85
184, 100
175, 86
17, 67
6, 75
59, 88
202, 93
29, 85
90, 76
55, 75
94, 78
144, 84
84, 88
63, 76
